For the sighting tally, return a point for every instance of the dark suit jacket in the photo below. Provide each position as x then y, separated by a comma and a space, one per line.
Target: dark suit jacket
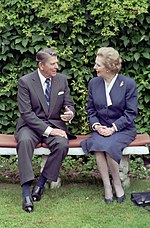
123, 110
33, 107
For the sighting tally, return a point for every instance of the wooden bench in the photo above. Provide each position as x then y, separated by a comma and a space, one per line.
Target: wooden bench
139, 146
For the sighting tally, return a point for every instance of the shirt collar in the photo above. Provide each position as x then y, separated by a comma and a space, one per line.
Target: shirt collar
41, 76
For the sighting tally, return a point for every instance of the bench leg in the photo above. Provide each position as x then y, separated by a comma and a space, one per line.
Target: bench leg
124, 169
50, 184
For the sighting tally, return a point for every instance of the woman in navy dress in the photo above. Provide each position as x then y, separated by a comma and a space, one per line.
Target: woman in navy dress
112, 108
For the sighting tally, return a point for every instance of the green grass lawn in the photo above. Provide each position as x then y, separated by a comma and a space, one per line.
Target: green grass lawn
74, 205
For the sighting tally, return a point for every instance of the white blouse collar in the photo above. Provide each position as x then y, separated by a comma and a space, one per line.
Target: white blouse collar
108, 89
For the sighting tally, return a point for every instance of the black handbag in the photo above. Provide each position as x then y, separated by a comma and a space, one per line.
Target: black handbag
141, 199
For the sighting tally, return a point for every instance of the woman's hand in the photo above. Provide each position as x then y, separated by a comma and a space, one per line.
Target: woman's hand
103, 130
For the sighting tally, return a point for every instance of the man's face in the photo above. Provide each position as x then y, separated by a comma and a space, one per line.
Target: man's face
50, 67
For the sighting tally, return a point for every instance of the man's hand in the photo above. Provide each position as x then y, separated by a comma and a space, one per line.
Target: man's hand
58, 132
68, 114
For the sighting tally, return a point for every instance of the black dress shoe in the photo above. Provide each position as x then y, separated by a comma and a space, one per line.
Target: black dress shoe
27, 204
109, 201
121, 198
36, 193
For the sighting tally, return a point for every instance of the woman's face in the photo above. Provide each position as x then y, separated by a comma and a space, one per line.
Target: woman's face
100, 68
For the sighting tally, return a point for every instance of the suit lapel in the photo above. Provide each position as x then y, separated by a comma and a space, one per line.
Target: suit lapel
117, 89
104, 92
101, 88
35, 80
54, 93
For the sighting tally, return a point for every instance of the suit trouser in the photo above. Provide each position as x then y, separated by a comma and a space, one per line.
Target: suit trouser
27, 140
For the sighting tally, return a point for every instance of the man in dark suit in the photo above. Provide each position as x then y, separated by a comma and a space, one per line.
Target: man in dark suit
42, 95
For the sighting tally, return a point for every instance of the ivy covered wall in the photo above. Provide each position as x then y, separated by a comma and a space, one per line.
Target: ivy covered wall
76, 29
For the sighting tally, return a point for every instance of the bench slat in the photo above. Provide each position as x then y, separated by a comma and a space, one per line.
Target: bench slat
9, 141
140, 140
75, 151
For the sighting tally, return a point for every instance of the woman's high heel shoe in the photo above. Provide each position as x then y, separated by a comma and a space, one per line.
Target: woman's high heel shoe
109, 201
121, 198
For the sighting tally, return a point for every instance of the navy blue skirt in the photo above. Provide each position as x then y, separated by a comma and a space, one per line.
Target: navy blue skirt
113, 145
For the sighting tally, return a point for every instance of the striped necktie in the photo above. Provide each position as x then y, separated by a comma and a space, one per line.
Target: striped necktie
48, 90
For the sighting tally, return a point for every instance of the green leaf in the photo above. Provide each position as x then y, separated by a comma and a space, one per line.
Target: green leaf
148, 19
2, 106
125, 40
24, 42
35, 38
146, 98
146, 55
79, 38
18, 40
63, 28
31, 49
136, 56
136, 66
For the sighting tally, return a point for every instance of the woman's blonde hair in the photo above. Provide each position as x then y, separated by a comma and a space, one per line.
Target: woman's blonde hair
110, 58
